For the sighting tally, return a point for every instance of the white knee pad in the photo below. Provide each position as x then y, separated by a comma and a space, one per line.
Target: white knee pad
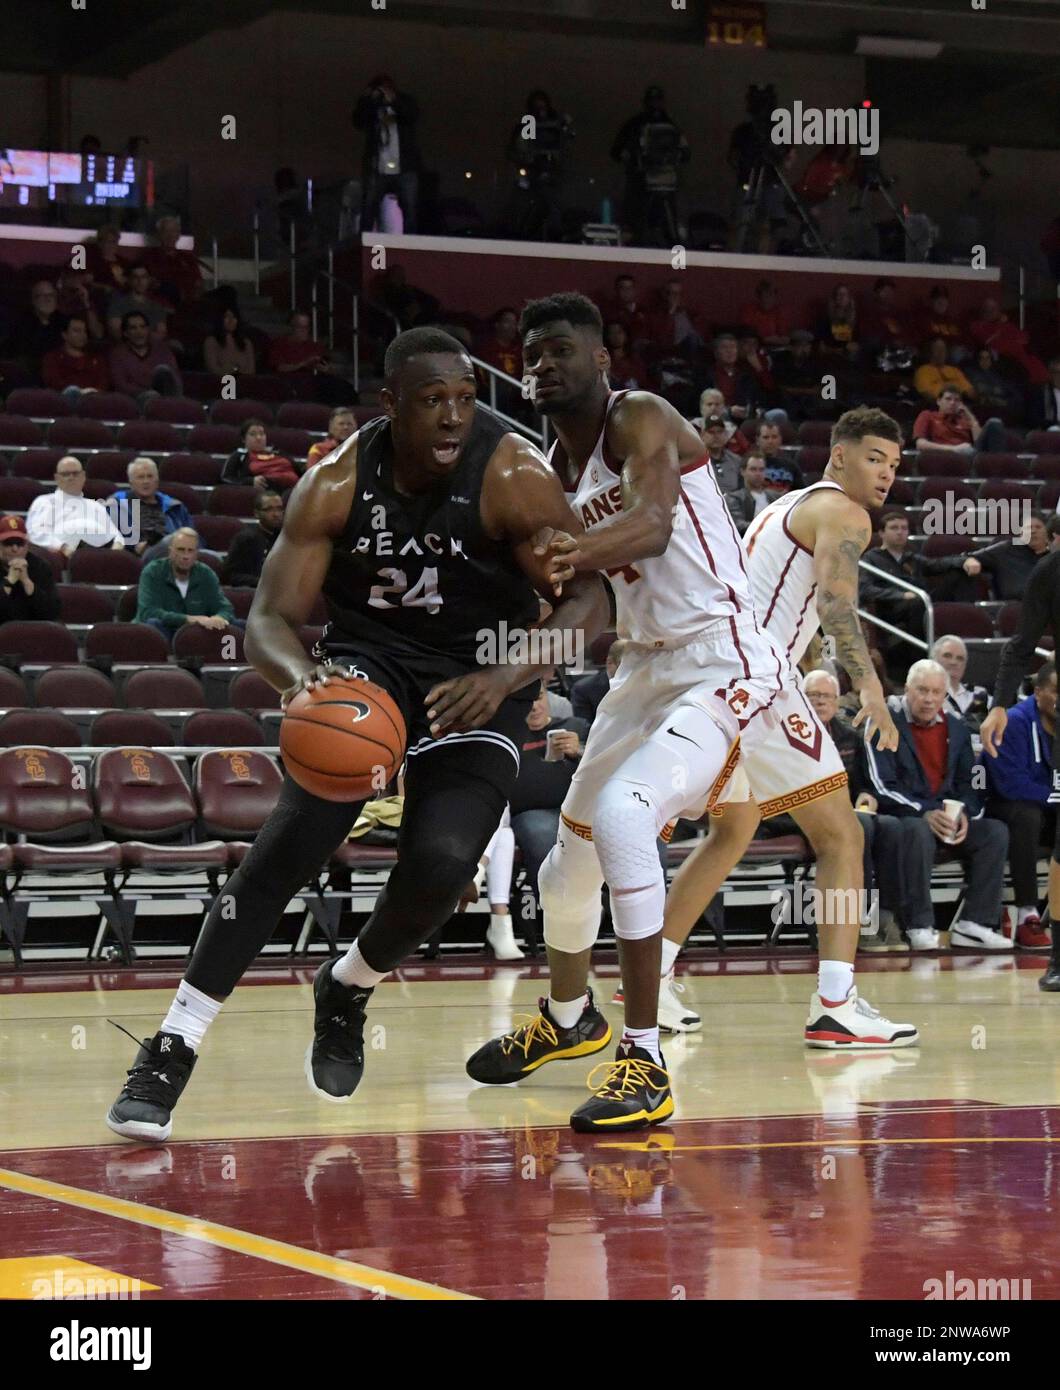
678, 765
569, 885
626, 823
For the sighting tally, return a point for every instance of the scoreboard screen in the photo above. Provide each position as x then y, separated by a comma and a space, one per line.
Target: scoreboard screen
37, 178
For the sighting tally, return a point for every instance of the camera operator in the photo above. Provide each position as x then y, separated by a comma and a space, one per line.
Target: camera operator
538, 150
760, 202
652, 148
391, 156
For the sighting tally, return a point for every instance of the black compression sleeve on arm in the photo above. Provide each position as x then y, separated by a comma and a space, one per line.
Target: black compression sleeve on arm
1036, 614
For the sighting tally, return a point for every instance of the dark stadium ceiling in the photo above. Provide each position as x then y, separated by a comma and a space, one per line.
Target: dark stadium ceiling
115, 37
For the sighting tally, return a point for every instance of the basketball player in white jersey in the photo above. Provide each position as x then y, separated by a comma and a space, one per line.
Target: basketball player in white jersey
698, 681
803, 552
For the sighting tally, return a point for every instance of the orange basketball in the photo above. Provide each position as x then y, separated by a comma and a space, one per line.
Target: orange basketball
343, 741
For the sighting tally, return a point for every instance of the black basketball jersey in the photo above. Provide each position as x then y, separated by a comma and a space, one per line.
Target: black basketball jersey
418, 578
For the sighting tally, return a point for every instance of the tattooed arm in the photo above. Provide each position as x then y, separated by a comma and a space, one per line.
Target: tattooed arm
842, 532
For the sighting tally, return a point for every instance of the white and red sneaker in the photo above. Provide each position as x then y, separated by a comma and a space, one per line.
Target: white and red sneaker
854, 1024
1032, 936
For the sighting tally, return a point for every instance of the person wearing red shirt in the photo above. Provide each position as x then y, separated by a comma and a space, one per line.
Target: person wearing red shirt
731, 377
255, 463
994, 329
674, 327
953, 427
177, 272
627, 371
626, 309
756, 361
296, 351
766, 317
341, 424
71, 366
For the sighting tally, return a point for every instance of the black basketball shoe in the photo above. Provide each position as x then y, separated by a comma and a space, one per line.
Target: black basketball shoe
635, 1093
334, 1062
1050, 981
541, 1040
155, 1080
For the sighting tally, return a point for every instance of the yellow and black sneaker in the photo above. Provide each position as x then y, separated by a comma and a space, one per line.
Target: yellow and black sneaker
635, 1093
539, 1040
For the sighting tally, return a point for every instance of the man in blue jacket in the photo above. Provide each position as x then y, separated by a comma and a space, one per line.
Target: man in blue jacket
1020, 789
147, 525
932, 764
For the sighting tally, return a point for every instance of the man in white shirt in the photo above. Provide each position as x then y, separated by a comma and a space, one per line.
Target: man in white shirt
968, 703
66, 517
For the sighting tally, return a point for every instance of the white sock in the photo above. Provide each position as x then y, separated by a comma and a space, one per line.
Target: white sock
834, 980
353, 969
190, 1014
670, 951
1022, 913
646, 1038
567, 1012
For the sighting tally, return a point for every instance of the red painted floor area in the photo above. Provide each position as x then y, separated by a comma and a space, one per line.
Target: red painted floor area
777, 1207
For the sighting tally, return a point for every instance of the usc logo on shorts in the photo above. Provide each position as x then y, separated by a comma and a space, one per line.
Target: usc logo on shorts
799, 727
803, 735
737, 700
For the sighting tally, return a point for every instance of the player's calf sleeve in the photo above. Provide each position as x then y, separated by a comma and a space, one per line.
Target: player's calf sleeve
501, 851
625, 827
569, 886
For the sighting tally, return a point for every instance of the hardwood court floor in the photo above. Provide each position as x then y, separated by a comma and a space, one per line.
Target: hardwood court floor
785, 1174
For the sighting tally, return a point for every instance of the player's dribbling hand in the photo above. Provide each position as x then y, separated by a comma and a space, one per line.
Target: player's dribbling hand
316, 675
562, 551
992, 730
467, 702
877, 716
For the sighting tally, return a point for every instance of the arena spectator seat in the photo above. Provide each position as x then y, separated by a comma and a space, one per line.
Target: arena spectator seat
33, 641
251, 691
1043, 442
17, 429
41, 728
74, 687
207, 557
16, 494
217, 532
220, 728
183, 492
149, 436
128, 602
232, 500
963, 620
1049, 497
240, 599
94, 565
815, 433
175, 410
108, 405
237, 790
1011, 466
53, 558
117, 727
81, 603
1047, 466
812, 458
36, 463
293, 444
1003, 489
126, 642
76, 433
13, 692
208, 644
201, 386
936, 464
304, 415
198, 470
1008, 620
168, 688
235, 412
213, 439
267, 388
936, 546
902, 493
111, 464
939, 489
99, 489
38, 403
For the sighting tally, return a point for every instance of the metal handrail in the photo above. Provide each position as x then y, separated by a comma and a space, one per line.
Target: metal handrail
922, 594
494, 374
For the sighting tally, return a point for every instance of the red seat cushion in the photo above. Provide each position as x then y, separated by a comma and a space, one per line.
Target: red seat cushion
104, 854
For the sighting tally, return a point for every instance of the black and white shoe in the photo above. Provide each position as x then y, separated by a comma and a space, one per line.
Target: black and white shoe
334, 1062
152, 1088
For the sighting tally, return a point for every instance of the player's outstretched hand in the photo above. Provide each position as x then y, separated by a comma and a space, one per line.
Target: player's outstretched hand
562, 553
467, 702
316, 675
992, 730
877, 717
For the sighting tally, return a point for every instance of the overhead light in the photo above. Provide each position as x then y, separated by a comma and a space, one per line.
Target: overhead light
872, 46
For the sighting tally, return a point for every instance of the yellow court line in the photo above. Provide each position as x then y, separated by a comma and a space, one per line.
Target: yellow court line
229, 1238
650, 1146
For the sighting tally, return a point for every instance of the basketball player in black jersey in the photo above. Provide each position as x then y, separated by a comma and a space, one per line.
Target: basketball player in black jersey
418, 531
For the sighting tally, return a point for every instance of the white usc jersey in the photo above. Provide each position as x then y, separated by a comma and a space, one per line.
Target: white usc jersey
782, 574
666, 599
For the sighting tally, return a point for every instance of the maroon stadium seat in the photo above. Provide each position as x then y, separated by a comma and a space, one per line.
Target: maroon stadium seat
142, 799
118, 726
76, 687
902, 493
126, 642
36, 463
112, 464
207, 557
17, 494
166, 689
939, 489
812, 458
217, 532
19, 429
266, 388
237, 790
55, 558
1009, 466
293, 444
81, 603
251, 691
303, 415
214, 439
1044, 466
42, 727
107, 405
962, 620
936, 547
128, 602
76, 433
40, 403
13, 692
183, 492
1049, 496
198, 470
176, 410
99, 489
50, 642
1037, 442
149, 436
1008, 620
221, 728
936, 464
1015, 492
235, 412
240, 599
209, 644
201, 386
816, 433
90, 564
40, 797
226, 500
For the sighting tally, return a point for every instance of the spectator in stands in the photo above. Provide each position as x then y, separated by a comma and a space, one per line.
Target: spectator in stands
27, 589
627, 370
933, 764
63, 519
759, 364
228, 349
71, 368
883, 326
797, 377
1020, 793
627, 309
953, 427
935, 373
391, 159
246, 554
296, 351
587, 692
342, 422
178, 588
936, 321
712, 402
75, 299
992, 391
39, 330
674, 327
1010, 562
766, 317
994, 329
1043, 406
737, 386
137, 299
895, 605
783, 474
105, 263
155, 515
839, 326
411, 306
503, 348
254, 463
967, 703
142, 367
726, 463
748, 500
177, 273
